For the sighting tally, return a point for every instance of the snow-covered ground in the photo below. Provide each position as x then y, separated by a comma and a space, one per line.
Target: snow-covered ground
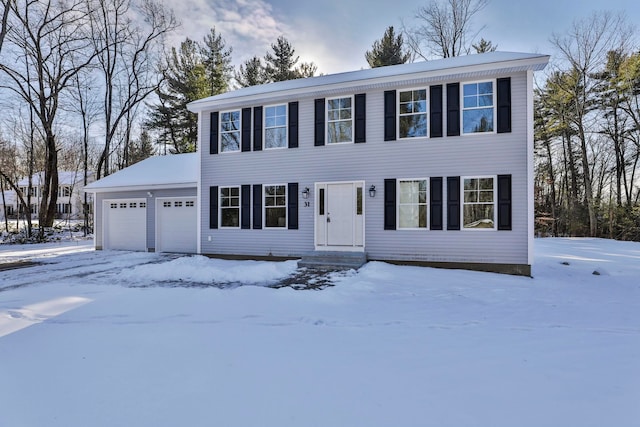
138, 339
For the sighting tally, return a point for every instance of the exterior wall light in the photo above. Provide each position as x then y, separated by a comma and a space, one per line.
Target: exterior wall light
305, 193
149, 193
372, 191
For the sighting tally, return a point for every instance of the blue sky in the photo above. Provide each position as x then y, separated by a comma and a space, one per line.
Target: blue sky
336, 33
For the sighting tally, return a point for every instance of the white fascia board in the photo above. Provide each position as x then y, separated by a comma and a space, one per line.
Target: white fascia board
150, 187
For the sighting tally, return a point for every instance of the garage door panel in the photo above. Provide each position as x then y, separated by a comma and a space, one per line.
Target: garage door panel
176, 225
125, 224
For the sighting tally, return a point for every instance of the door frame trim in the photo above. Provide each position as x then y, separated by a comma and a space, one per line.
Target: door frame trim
315, 218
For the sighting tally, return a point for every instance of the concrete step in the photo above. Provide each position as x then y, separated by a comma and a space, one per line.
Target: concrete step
333, 259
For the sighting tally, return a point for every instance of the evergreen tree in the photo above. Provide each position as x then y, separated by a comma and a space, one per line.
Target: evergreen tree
251, 73
484, 46
388, 51
217, 62
281, 64
141, 149
193, 72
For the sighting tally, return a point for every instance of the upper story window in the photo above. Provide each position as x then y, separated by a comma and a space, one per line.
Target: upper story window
412, 203
478, 107
64, 191
230, 131
275, 126
478, 211
230, 207
340, 120
412, 114
275, 206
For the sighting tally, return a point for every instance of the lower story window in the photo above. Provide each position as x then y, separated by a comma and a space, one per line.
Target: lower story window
275, 206
230, 207
479, 203
412, 205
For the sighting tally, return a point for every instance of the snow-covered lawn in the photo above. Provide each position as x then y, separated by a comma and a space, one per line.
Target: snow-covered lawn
138, 339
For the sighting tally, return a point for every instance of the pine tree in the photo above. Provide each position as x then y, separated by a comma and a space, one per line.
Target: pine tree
217, 62
484, 46
251, 73
193, 72
281, 64
388, 51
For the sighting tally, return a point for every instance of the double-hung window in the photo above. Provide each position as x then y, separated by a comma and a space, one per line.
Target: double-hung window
340, 120
478, 107
275, 126
230, 207
412, 113
412, 203
275, 206
230, 131
478, 210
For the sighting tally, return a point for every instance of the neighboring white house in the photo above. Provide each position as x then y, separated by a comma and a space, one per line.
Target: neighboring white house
8, 204
70, 194
149, 206
428, 163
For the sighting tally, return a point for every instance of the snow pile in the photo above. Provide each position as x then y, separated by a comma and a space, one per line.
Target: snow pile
200, 269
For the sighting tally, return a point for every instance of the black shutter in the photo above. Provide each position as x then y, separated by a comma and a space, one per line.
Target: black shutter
504, 104
453, 109
453, 203
435, 111
390, 115
292, 214
246, 129
257, 206
435, 203
257, 128
504, 202
389, 204
361, 118
213, 135
319, 122
293, 124
245, 207
213, 207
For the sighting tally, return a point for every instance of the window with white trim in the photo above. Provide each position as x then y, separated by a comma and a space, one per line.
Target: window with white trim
412, 203
478, 110
478, 207
230, 207
275, 126
275, 206
412, 113
340, 120
230, 131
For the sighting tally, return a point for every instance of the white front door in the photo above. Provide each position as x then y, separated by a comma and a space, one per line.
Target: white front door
340, 216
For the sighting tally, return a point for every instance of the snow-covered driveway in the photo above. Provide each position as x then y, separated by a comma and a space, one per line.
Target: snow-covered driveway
125, 339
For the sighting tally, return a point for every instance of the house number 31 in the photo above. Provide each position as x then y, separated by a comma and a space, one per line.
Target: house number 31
307, 204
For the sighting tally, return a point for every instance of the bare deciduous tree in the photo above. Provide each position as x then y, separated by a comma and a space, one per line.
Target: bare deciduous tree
127, 56
49, 38
444, 28
585, 48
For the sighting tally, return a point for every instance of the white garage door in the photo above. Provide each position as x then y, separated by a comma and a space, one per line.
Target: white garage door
176, 229
125, 224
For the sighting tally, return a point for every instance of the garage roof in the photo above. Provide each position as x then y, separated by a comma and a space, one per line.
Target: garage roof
171, 171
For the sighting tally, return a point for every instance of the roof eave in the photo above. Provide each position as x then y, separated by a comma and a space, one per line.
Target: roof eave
141, 187
535, 63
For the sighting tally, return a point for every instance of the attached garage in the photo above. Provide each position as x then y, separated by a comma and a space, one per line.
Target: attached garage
125, 224
149, 206
176, 224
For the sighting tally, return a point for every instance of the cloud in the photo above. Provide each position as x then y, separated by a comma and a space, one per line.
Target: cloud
248, 26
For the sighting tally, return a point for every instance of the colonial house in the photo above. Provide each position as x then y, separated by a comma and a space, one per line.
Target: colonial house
428, 163
70, 194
